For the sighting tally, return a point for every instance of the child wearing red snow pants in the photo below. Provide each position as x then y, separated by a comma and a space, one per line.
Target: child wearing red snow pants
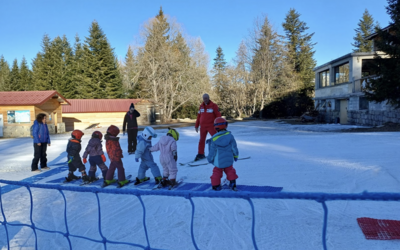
222, 152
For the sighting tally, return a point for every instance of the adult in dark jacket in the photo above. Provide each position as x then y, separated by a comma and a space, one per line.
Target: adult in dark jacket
130, 125
41, 139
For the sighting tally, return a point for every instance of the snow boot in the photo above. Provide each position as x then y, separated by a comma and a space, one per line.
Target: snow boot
172, 182
158, 179
217, 188
232, 184
199, 157
85, 177
71, 177
123, 183
92, 179
137, 182
165, 182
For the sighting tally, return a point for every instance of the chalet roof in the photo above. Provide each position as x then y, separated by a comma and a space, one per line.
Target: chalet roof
99, 105
16, 98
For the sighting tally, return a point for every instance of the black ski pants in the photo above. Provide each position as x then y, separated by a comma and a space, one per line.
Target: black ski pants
132, 141
39, 154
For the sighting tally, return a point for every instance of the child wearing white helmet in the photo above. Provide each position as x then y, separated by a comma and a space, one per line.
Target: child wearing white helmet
168, 156
142, 152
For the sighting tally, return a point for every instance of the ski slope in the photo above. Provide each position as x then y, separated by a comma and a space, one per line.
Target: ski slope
299, 158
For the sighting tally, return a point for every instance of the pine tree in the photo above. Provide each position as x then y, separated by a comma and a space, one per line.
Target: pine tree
365, 28
79, 79
14, 77
102, 66
25, 76
300, 47
4, 75
386, 85
130, 73
220, 77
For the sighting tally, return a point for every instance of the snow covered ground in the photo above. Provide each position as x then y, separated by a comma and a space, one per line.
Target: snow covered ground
299, 158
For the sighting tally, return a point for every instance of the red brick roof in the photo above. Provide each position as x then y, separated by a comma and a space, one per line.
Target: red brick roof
98, 105
14, 98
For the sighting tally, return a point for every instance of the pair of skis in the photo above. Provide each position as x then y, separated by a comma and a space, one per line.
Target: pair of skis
103, 185
160, 186
197, 163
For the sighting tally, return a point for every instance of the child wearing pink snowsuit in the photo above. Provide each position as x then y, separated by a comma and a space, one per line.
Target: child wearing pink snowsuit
168, 156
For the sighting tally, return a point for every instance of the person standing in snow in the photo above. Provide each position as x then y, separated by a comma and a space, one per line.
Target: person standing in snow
168, 156
114, 152
222, 152
74, 159
130, 123
208, 111
95, 150
143, 152
41, 139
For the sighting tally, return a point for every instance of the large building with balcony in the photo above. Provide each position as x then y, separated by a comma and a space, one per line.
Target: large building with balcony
339, 92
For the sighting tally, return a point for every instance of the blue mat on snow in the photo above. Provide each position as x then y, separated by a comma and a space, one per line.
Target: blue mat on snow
36, 177
184, 186
204, 187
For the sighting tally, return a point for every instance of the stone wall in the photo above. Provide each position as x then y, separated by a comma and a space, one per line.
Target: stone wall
373, 117
25, 131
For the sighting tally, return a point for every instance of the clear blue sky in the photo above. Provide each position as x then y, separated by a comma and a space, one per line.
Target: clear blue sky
217, 22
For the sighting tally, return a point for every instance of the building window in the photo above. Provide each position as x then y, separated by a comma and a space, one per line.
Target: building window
363, 103
342, 73
324, 79
337, 105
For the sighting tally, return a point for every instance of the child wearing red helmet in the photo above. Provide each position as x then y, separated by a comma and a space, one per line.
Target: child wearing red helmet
114, 152
222, 152
95, 150
74, 159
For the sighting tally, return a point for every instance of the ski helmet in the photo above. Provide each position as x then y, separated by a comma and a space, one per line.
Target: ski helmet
113, 130
97, 134
147, 132
172, 132
220, 123
77, 134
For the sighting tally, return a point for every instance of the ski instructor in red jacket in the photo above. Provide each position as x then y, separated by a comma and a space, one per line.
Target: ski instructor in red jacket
208, 111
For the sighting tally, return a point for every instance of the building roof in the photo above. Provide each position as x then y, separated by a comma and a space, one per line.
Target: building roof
349, 55
16, 98
98, 105
373, 35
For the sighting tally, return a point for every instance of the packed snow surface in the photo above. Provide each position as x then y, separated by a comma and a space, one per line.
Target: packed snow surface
299, 158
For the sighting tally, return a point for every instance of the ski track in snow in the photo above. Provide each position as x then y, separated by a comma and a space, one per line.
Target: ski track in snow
300, 158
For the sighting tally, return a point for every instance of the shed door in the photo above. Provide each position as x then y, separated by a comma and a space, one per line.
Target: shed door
343, 111
1, 125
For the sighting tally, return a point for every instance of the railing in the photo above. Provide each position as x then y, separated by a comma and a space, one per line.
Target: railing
318, 197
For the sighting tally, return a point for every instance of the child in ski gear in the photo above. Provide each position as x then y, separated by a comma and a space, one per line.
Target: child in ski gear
95, 150
74, 159
41, 139
222, 152
114, 152
143, 152
130, 123
208, 111
168, 157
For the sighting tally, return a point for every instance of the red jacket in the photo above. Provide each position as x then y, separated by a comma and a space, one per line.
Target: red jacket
113, 148
207, 114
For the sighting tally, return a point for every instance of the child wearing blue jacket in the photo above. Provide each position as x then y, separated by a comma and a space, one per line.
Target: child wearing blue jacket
143, 152
223, 151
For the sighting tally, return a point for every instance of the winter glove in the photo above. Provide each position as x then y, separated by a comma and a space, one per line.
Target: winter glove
84, 160
70, 159
137, 159
175, 154
197, 130
208, 141
103, 158
235, 158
